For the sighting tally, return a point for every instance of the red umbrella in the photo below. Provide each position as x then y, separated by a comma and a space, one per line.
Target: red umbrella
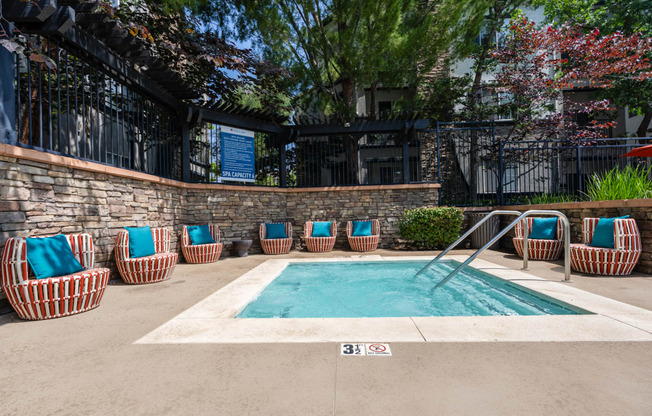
645, 151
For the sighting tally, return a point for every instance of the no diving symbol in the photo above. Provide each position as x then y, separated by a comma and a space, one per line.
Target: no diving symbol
377, 348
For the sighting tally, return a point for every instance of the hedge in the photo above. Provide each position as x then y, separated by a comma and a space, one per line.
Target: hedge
431, 228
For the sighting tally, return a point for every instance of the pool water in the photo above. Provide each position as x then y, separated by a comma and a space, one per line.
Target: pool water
390, 289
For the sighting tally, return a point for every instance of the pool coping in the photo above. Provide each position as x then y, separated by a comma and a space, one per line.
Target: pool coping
212, 319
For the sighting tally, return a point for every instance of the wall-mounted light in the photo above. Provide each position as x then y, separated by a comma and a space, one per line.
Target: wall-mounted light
347, 125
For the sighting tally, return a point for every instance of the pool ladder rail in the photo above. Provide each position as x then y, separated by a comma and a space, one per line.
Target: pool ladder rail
504, 231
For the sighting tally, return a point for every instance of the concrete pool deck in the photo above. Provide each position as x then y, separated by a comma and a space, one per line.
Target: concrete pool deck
91, 364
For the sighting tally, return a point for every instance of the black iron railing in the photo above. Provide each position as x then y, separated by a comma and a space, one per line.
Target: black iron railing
206, 159
81, 110
478, 166
314, 161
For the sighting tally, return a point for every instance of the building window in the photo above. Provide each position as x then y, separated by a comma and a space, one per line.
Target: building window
504, 99
483, 37
510, 178
384, 106
499, 101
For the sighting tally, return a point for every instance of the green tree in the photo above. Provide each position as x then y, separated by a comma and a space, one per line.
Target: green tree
335, 47
626, 16
210, 64
496, 19
437, 98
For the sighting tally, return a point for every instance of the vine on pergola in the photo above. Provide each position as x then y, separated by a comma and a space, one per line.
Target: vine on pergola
211, 65
215, 67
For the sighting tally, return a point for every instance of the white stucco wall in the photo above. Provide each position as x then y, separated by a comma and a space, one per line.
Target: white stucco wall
632, 122
465, 66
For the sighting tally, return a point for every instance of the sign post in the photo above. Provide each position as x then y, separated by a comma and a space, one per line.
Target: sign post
238, 155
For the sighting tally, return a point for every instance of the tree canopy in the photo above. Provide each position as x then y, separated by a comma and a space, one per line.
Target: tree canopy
212, 65
335, 47
628, 17
575, 59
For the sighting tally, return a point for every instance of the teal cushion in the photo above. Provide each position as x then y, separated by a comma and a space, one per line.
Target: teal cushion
361, 228
544, 229
141, 242
275, 231
603, 235
51, 257
321, 229
200, 234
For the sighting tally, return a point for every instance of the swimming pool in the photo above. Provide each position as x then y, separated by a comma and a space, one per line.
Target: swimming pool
390, 289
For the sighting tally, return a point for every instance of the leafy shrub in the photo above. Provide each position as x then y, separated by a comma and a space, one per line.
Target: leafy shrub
551, 198
628, 183
431, 228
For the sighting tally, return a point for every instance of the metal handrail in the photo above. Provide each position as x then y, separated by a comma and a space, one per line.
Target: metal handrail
525, 245
468, 233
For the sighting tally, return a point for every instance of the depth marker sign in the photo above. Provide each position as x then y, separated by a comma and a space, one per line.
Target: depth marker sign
366, 349
238, 161
353, 349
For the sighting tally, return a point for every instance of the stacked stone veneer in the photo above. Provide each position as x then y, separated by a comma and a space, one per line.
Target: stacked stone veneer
639, 209
43, 194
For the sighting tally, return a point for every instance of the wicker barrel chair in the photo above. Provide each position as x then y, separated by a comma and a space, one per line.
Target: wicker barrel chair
201, 253
364, 243
319, 244
539, 249
52, 297
150, 269
276, 245
617, 261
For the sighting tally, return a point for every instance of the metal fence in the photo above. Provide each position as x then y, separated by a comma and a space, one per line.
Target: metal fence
79, 109
367, 159
206, 157
478, 166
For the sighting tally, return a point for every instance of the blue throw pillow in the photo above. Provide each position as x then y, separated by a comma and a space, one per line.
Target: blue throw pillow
603, 235
544, 229
321, 229
275, 231
200, 234
361, 228
51, 257
141, 242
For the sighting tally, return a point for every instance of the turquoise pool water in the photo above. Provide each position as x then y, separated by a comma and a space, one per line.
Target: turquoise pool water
390, 289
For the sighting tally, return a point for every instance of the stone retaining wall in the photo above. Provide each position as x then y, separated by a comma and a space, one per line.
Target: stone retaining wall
42, 194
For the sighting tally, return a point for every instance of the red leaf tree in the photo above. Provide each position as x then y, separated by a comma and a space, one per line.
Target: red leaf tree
536, 70
536, 66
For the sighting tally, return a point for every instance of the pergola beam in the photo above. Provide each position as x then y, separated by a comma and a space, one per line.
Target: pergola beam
243, 122
98, 51
58, 23
365, 127
36, 11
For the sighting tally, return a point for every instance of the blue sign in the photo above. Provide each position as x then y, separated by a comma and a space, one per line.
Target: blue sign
238, 161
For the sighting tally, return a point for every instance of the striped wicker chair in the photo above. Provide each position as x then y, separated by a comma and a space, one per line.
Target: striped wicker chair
150, 269
319, 244
52, 297
617, 261
366, 243
202, 253
276, 245
538, 249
